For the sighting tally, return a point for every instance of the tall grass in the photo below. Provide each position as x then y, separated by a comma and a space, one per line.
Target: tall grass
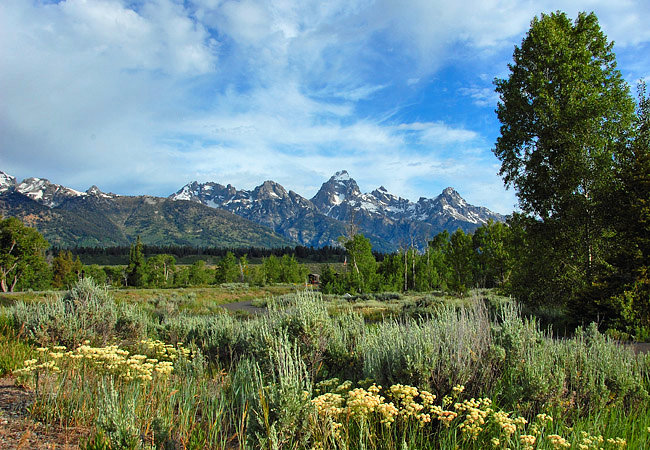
298, 377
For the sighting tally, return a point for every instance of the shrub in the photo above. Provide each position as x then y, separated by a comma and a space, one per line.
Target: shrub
86, 312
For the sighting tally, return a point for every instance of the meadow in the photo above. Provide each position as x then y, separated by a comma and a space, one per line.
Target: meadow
321, 372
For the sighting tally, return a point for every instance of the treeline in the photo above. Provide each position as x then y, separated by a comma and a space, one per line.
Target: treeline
453, 262
161, 271
24, 266
302, 253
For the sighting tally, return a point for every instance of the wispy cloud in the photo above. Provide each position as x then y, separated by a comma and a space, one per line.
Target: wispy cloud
146, 96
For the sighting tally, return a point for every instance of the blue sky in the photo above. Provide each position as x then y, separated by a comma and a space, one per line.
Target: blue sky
145, 96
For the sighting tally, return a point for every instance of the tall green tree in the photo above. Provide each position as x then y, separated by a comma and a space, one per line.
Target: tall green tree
630, 281
363, 266
65, 270
160, 270
227, 269
136, 268
200, 274
460, 260
22, 261
493, 255
566, 113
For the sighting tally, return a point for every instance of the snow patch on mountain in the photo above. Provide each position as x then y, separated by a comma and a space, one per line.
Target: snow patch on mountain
7, 182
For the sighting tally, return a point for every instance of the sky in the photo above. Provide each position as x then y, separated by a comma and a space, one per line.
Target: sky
144, 96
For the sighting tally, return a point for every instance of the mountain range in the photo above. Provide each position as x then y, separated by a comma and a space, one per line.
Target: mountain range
211, 214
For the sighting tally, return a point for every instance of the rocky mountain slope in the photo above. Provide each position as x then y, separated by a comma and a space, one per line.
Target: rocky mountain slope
389, 221
93, 218
211, 214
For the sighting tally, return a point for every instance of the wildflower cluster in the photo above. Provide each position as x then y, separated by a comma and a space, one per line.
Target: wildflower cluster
557, 441
164, 352
589, 441
109, 360
33, 366
475, 413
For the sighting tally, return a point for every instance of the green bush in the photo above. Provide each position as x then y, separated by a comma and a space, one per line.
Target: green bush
86, 312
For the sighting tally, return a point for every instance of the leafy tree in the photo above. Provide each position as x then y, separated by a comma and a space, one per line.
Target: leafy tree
363, 266
199, 274
291, 271
65, 270
437, 260
115, 275
391, 272
331, 282
227, 269
22, 260
136, 268
460, 259
243, 268
565, 113
182, 277
95, 272
271, 267
493, 254
631, 204
160, 270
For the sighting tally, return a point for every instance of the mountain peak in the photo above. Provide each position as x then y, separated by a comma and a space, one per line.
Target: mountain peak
45, 192
94, 190
6, 181
270, 189
338, 189
341, 175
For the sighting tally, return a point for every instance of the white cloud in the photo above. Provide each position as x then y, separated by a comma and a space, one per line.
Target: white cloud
484, 97
149, 94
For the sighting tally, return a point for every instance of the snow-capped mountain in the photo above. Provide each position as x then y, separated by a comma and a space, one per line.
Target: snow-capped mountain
7, 182
94, 191
389, 221
340, 198
46, 193
271, 205
67, 217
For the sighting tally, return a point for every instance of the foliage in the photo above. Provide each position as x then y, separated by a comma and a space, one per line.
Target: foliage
85, 312
65, 270
461, 378
21, 256
227, 269
577, 156
160, 270
136, 270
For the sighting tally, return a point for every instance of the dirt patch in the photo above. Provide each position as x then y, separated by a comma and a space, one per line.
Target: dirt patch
639, 347
19, 431
246, 306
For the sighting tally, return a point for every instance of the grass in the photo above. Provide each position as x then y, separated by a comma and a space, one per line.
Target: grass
13, 350
317, 372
